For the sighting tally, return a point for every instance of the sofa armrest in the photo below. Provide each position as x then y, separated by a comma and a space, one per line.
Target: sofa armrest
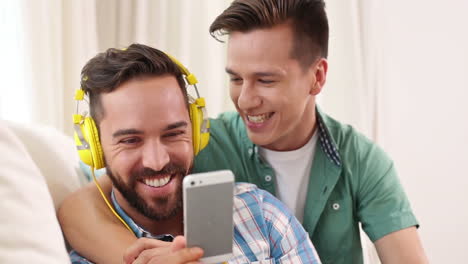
55, 155
30, 231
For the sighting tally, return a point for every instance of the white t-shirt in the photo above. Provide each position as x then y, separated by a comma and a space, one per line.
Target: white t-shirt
292, 169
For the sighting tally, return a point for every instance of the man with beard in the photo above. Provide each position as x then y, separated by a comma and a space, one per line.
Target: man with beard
139, 104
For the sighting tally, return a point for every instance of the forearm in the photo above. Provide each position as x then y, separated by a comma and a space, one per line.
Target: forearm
91, 229
403, 246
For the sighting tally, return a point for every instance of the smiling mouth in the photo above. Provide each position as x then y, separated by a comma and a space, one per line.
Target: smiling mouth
258, 119
157, 183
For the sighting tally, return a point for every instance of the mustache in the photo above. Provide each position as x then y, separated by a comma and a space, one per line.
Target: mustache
170, 168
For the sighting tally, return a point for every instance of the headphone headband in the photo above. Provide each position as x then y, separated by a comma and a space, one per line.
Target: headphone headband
87, 136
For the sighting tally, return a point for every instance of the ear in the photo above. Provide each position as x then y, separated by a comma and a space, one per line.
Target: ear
319, 71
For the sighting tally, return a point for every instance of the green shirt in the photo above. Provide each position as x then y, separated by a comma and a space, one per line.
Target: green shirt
351, 180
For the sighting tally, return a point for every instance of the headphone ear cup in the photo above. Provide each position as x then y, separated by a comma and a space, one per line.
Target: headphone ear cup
92, 136
200, 125
84, 152
196, 125
204, 136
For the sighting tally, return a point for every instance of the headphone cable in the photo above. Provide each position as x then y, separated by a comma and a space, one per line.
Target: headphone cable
107, 202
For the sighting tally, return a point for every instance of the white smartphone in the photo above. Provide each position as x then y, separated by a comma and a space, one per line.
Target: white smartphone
208, 214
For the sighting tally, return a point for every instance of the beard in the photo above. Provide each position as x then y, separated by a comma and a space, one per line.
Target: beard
160, 208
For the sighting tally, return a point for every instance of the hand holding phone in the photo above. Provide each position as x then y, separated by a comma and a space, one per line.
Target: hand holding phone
146, 250
208, 214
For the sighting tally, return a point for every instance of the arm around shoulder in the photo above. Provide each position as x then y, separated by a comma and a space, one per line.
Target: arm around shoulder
89, 226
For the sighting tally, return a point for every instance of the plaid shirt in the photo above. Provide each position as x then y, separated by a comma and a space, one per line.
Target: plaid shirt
264, 231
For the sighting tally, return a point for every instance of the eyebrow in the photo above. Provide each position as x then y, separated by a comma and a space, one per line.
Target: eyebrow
125, 132
131, 131
176, 125
258, 74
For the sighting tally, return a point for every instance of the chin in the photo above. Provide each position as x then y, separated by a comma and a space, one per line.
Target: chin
259, 139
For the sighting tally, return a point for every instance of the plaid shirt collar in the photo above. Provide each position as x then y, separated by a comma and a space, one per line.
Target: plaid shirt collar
137, 230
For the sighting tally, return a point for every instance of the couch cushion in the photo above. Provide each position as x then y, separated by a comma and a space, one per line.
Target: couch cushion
55, 156
29, 229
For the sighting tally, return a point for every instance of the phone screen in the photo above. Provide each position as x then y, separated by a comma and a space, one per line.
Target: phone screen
209, 210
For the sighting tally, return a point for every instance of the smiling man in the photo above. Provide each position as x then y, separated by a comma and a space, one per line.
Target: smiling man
139, 103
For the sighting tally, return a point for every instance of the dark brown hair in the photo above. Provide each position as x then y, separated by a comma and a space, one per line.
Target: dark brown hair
108, 70
307, 18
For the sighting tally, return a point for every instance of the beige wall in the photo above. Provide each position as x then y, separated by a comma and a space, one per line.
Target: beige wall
419, 70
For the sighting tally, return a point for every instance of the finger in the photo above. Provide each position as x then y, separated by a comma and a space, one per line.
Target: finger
183, 256
178, 243
149, 254
140, 245
188, 254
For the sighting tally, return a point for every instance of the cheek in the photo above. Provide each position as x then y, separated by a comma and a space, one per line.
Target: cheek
291, 106
183, 153
234, 93
123, 161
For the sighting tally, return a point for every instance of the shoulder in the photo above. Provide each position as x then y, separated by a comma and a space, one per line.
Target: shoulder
345, 136
227, 130
356, 151
243, 187
227, 140
257, 200
366, 168
244, 190
227, 123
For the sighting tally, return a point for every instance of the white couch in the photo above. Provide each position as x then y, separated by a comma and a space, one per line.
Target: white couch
38, 168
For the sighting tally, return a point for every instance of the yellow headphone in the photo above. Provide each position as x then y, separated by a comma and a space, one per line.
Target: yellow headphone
87, 137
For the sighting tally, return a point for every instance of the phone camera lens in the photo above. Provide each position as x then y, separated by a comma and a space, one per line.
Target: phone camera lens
192, 183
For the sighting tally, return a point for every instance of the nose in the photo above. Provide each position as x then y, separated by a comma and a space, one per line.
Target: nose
248, 97
155, 156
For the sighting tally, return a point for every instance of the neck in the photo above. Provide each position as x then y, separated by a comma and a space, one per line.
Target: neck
171, 225
309, 124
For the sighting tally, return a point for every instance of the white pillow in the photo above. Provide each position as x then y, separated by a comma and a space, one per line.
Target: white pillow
55, 155
29, 229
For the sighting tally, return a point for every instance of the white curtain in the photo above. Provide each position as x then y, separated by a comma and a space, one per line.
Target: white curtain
355, 53
179, 27
55, 38
398, 73
14, 98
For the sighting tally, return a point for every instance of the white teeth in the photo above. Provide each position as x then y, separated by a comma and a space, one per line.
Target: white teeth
258, 118
157, 182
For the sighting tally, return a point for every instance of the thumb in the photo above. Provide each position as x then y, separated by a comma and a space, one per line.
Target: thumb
178, 243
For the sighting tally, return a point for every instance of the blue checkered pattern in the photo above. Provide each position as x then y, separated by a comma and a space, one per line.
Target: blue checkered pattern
264, 231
